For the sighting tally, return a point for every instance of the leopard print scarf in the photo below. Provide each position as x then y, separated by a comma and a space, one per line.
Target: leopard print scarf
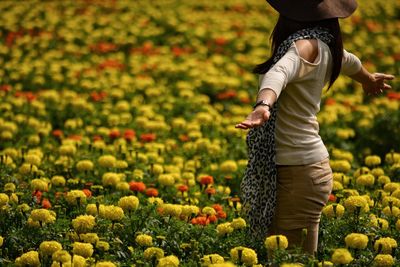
258, 187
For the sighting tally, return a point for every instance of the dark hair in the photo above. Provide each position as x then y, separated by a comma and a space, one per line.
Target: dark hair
285, 27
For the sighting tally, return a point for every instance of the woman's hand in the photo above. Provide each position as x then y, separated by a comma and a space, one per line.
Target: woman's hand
376, 83
256, 118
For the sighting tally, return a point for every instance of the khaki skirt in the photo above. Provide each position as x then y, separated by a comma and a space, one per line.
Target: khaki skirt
302, 192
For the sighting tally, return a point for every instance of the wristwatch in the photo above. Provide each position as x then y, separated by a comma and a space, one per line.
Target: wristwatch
262, 103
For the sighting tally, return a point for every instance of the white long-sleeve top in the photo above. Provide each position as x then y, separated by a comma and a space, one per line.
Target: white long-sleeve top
298, 84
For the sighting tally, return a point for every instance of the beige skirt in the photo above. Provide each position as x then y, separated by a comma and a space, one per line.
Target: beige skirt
302, 192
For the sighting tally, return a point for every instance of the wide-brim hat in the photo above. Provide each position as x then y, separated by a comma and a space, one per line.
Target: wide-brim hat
312, 10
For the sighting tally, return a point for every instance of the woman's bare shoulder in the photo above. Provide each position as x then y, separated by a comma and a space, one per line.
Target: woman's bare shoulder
307, 49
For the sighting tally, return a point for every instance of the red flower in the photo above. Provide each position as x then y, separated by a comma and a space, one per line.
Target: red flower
97, 138
210, 191
137, 186
184, 137
227, 95
148, 137
330, 102
75, 137
212, 218
5, 88
152, 192
57, 133
87, 192
37, 196
183, 188
217, 207
221, 214
129, 135
393, 95
205, 180
201, 220
46, 204
332, 197
220, 41
114, 134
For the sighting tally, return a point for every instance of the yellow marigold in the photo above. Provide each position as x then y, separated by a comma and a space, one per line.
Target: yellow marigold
169, 261
172, 209
91, 238
333, 210
153, 252
325, 264
9, 187
107, 161
391, 187
121, 164
49, 247
1, 241
341, 178
102, 245
91, 209
39, 184
84, 165
58, 180
112, 212
385, 245
43, 216
372, 160
246, 255
291, 265
212, 259
30, 259
390, 201
365, 180
128, 203
209, 211
67, 150
345, 133
337, 186
341, 256
27, 168
144, 240
61, 256
382, 223
4, 199
78, 261
166, 179
224, 264
189, 210
75, 197
137, 174
350, 192
355, 240
340, 165
224, 228
82, 249
238, 223
398, 225
391, 211
383, 260
228, 166
377, 172
33, 159
342, 154
122, 186
110, 179
392, 158
276, 242
360, 171
83, 223
383, 179
352, 202
105, 264
155, 200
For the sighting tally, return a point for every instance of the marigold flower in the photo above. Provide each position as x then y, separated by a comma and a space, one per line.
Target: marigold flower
206, 180
210, 191
30, 258
67, 150
102, 245
61, 256
75, 197
291, 265
228, 166
372, 160
212, 259
111, 212
128, 203
107, 161
78, 261
58, 180
208, 211
333, 210
385, 245
383, 260
392, 158
340, 165
391, 211
166, 179
247, 256
43, 216
49, 247
9, 187
377, 172
1, 241
274, 242
355, 240
91, 238
153, 252
391, 187
169, 261
352, 202
144, 240
341, 256
82, 249
365, 180
39, 184
110, 179
155, 200
398, 225
137, 186
84, 223
4, 199
224, 228
238, 223
183, 188
84, 165
383, 179
33, 159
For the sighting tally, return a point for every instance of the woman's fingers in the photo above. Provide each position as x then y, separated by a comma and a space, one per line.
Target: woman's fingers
383, 76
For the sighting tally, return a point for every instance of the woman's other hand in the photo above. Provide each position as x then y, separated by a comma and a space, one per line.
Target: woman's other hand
256, 118
376, 83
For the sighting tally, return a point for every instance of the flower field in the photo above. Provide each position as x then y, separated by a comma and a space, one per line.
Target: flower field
118, 145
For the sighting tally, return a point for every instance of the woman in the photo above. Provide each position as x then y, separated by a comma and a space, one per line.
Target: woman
288, 178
